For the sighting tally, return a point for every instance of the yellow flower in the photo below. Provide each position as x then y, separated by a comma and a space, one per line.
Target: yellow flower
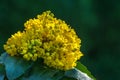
49, 38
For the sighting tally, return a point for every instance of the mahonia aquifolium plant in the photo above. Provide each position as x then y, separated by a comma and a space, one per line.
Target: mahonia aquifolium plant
48, 38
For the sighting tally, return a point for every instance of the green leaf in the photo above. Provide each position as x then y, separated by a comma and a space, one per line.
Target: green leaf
3, 57
41, 73
2, 68
84, 69
77, 74
15, 66
2, 71
67, 78
59, 75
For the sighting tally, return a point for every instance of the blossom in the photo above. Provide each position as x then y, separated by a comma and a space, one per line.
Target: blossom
48, 38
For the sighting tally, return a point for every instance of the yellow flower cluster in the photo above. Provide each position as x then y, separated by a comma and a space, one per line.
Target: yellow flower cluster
48, 38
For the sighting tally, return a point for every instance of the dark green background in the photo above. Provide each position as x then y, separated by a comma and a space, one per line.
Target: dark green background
97, 23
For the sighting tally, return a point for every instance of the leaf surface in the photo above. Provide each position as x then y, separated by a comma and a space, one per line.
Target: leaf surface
14, 66
84, 69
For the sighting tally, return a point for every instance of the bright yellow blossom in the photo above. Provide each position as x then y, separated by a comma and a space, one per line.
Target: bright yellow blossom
48, 38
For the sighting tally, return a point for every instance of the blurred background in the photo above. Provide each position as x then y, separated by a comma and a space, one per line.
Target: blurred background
97, 23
